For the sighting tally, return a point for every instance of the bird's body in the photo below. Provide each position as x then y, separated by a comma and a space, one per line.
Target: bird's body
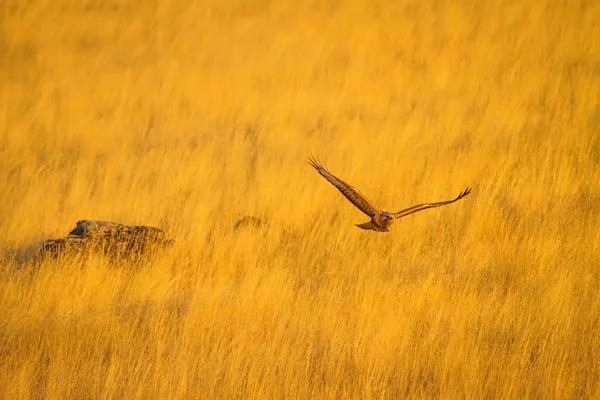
380, 220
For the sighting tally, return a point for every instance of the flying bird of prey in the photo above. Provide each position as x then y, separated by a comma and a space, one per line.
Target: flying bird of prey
380, 220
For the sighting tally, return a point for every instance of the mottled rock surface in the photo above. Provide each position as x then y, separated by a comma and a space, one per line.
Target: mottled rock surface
108, 238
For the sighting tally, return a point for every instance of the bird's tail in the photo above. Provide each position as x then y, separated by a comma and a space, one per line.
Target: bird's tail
366, 225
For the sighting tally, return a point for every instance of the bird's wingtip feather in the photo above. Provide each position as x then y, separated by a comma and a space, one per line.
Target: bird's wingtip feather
315, 162
464, 193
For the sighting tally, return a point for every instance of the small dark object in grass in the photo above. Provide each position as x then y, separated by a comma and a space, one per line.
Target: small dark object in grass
248, 221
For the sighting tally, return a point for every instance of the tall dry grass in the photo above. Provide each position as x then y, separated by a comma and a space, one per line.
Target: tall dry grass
188, 116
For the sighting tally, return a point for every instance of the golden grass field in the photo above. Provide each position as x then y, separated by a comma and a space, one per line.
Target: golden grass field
190, 115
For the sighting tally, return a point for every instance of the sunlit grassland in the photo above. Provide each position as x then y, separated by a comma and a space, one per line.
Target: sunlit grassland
189, 116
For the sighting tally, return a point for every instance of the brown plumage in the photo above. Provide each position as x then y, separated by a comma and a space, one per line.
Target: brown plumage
380, 220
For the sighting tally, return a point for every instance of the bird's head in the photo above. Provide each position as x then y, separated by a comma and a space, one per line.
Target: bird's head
387, 216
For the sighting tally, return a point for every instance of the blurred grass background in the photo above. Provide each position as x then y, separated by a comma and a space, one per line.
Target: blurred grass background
190, 115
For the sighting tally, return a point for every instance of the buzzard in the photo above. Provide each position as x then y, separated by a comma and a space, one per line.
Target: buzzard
380, 220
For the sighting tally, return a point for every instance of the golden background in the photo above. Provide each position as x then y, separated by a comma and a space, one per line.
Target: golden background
190, 115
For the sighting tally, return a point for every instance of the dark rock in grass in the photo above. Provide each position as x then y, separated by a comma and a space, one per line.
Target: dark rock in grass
110, 238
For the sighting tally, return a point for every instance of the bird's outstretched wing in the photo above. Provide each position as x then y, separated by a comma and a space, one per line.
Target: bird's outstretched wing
420, 207
351, 193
